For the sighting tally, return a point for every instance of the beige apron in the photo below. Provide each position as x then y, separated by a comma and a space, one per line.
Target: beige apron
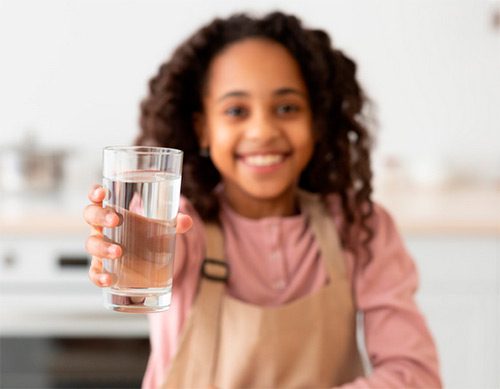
307, 343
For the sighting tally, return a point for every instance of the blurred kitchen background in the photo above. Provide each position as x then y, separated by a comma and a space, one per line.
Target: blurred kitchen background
72, 74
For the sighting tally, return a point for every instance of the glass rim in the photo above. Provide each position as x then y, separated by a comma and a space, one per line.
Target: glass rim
143, 150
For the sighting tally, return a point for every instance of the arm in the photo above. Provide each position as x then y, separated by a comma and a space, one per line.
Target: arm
399, 344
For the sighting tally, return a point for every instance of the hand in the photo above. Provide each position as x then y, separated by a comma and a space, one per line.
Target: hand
98, 217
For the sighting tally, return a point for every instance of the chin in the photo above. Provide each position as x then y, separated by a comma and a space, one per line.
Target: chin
265, 193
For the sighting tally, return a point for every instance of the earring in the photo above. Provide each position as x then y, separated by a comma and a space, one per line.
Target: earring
205, 152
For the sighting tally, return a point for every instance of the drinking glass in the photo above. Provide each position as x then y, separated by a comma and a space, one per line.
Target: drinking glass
142, 186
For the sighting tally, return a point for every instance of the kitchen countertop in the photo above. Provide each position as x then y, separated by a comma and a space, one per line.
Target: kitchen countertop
56, 214
452, 209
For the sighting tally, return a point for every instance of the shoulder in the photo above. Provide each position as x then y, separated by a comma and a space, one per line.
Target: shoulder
390, 269
391, 265
386, 246
386, 233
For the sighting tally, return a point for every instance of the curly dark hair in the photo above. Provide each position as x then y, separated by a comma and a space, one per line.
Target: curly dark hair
341, 160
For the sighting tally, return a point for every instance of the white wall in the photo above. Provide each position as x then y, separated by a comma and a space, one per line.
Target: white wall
75, 71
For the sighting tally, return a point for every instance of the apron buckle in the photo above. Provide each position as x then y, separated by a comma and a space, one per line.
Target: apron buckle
215, 270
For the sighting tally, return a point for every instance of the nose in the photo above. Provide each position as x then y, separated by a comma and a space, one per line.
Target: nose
262, 127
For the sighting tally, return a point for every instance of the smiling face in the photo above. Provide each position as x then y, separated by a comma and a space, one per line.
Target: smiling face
257, 123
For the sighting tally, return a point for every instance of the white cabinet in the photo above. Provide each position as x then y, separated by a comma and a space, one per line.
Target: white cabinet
460, 296
45, 291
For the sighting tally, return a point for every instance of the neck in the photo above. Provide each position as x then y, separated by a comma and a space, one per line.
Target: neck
257, 208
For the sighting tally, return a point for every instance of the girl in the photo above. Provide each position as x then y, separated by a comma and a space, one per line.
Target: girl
285, 244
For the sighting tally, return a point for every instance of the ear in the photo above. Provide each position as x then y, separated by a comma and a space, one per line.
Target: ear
201, 130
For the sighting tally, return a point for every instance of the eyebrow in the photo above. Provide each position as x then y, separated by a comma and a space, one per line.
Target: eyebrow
278, 92
233, 94
285, 91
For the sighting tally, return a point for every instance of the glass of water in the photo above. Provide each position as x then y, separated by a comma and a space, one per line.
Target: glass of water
142, 186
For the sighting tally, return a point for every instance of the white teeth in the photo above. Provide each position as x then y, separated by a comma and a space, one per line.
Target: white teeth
264, 160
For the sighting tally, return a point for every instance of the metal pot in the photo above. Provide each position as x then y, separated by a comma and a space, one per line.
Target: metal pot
27, 168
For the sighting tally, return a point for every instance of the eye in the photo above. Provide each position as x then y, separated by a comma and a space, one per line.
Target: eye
235, 111
287, 108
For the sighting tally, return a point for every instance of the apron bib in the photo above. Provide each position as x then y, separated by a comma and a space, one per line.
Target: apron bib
309, 342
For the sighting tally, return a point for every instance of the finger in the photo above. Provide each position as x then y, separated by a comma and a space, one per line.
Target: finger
96, 230
95, 215
97, 247
96, 275
184, 223
96, 194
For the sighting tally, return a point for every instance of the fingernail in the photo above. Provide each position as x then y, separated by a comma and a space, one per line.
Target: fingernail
113, 250
96, 192
103, 279
109, 218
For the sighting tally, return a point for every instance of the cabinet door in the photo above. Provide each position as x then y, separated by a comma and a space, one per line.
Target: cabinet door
459, 295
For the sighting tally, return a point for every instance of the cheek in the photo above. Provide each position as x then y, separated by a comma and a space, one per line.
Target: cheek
222, 145
216, 132
307, 154
221, 140
304, 142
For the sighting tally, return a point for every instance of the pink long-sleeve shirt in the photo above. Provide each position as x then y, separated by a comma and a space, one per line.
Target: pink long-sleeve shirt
274, 261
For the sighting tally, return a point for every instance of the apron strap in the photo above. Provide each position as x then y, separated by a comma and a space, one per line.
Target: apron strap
201, 330
214, 267
328, 238
325, 233
215, 271
214, 242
